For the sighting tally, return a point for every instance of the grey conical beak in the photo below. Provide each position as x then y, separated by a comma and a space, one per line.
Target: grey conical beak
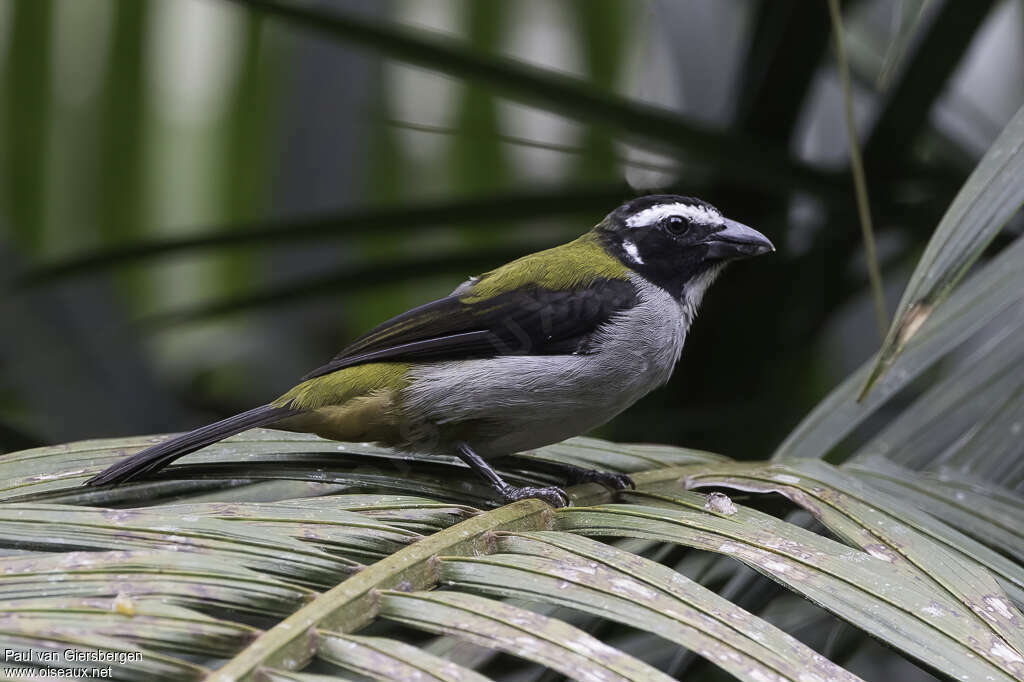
737, 241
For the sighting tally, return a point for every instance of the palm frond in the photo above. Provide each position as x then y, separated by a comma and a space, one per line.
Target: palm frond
873, 593
985, 203
989, 300
268, 587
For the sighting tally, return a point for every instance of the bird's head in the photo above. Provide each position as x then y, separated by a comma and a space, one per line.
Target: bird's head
677, 243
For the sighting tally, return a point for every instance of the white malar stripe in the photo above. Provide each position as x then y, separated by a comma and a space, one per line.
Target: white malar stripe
695, 214
631, 249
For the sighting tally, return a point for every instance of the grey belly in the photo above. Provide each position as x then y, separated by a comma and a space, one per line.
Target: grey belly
509, 404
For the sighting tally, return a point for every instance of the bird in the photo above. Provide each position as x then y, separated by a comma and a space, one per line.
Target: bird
543, 348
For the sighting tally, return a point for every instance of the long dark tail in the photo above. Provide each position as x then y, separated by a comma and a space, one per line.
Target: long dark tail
158, 456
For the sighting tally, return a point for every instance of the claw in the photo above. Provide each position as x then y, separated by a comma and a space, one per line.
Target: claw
605, 478
553, 495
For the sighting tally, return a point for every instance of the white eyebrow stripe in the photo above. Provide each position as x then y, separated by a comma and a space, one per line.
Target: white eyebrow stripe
696, 214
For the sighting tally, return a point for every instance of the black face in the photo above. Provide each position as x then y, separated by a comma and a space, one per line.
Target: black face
670, 239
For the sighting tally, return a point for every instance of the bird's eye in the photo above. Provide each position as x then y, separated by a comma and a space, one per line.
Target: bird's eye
677, 224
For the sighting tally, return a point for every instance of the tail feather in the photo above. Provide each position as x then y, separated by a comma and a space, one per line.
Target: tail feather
158, 456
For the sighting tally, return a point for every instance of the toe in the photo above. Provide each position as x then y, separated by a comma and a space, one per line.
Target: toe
615, 481
556, 497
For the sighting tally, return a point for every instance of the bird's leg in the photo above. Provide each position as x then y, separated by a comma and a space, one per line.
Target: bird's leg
553, 495
574, 474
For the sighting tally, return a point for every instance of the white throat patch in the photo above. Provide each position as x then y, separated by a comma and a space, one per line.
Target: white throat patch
693, 291
696, 214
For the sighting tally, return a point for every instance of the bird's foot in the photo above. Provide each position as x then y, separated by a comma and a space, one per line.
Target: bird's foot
553, 495
606, 478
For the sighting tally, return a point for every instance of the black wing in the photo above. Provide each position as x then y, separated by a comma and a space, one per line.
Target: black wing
525, 321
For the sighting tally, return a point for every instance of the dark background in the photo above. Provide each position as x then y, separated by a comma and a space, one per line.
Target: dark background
201, 201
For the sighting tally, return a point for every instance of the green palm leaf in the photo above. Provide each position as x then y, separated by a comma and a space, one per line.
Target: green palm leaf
184, 568
991, 300
986, 202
